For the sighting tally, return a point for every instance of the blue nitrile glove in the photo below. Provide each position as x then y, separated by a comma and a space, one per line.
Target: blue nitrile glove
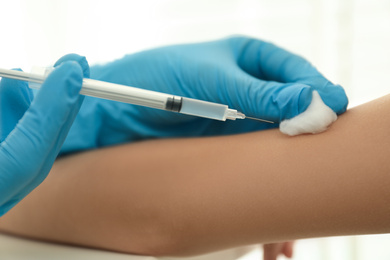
252, 76
29, 146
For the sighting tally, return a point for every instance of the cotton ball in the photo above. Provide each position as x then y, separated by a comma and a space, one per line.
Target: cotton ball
315, 119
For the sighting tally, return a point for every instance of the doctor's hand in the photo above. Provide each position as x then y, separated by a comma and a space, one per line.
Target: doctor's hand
32, 131
255, 77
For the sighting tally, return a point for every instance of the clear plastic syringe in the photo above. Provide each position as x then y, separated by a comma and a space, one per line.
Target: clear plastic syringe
137, 96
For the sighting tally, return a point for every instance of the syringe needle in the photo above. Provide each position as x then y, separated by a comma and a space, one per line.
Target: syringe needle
258, 119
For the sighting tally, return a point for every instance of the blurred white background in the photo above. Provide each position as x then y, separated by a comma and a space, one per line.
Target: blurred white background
349, 41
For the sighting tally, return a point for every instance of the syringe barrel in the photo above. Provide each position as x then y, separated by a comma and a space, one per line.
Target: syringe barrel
153, 99
203, 109
127, 94
137, 96
111, 91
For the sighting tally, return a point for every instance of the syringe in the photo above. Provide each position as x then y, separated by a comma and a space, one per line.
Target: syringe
137, 96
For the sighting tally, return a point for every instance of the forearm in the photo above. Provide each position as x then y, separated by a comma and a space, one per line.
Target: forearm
188, 196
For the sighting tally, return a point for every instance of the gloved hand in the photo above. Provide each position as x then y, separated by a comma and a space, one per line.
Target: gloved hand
29, 147
252, 76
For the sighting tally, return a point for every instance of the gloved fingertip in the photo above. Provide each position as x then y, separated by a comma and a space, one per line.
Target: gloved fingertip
13, 85
81, 60
334, 97
15, 99
67, 79
15, 95
292, 100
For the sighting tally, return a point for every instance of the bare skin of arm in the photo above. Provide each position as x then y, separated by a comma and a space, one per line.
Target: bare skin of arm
191, 196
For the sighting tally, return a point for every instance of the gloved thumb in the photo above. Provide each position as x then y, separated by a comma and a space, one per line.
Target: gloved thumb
81, 60
40, 133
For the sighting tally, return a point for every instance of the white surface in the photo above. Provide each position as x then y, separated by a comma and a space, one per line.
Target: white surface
347, 40
14, 248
